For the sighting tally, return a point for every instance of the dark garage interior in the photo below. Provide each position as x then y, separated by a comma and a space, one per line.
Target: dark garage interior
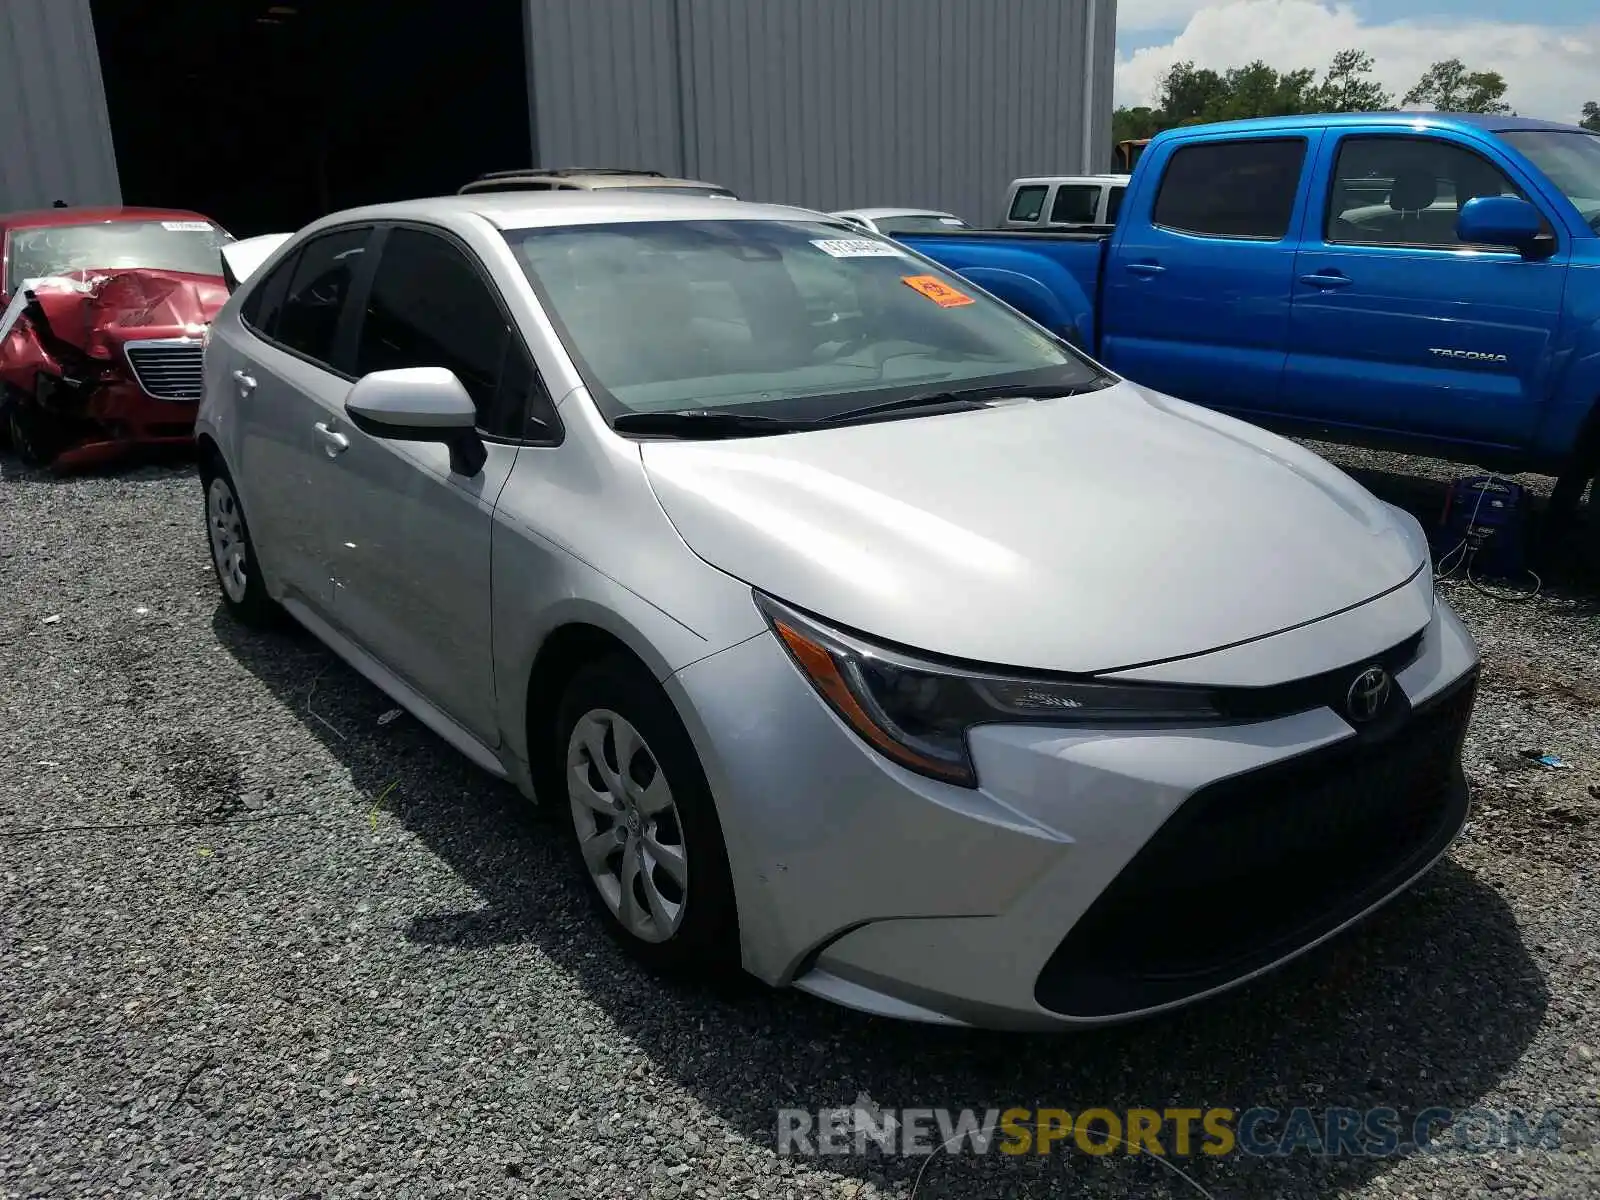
265, 116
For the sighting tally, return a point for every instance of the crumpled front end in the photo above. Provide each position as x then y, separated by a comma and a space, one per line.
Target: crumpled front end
96, 362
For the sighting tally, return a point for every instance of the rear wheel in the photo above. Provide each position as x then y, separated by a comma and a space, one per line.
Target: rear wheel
643, 826
233, 554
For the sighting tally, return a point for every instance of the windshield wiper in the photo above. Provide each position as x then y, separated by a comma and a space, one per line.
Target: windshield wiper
704, 423
956, 399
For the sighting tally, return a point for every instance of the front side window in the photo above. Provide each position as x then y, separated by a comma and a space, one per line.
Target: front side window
1114, 204
430, 307
1028, 203
1571, 161
308, 319
1406, 191
192, 247
1075, 204
1232, 189
796, 319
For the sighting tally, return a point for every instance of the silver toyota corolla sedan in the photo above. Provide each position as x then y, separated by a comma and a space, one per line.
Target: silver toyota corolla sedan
873, 638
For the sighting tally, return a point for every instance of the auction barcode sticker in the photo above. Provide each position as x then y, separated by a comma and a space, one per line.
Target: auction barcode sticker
187, 226
857, 248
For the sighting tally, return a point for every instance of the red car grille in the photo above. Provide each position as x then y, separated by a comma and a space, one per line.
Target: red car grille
169, 370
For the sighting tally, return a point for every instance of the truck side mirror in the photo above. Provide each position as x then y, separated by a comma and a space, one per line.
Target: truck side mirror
1501, 221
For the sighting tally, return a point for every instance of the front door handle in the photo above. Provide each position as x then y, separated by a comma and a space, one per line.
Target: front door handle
1327, 280
1146, 269
333, 442
245, 380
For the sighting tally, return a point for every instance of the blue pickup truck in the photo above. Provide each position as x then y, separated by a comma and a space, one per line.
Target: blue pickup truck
1419, 282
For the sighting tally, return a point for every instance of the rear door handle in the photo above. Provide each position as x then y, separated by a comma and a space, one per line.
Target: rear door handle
1146, 269
333, 442
1328, 280
246, 381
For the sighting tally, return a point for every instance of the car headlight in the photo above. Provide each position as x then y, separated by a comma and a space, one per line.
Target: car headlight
918, 712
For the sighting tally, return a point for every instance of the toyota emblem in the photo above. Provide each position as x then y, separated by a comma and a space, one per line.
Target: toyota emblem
1368, 693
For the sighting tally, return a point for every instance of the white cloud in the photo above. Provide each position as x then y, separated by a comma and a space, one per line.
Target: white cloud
1156, 14
1550, 70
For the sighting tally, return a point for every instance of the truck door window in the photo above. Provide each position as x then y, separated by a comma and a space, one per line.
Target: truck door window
1114, 204
1028, 203
1232, 189
1075, 204
1405, 191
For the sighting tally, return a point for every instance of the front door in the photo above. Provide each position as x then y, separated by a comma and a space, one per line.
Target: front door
1396, 324
408, 541
1198, 284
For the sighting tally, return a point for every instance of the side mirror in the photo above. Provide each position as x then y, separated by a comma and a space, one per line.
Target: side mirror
420, 404
1500, 221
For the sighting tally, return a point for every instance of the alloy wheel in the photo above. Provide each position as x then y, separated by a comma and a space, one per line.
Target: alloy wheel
627, 823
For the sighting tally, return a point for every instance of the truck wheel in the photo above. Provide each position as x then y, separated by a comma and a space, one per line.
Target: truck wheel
1585, 465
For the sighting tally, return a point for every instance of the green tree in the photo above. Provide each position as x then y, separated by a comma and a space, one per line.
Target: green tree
1448, 86
1348, 86
1591, 116
1187, 92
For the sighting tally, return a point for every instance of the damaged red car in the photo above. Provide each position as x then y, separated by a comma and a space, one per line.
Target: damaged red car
102, 319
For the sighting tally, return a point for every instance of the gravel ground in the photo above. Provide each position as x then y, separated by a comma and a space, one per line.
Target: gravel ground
322, 957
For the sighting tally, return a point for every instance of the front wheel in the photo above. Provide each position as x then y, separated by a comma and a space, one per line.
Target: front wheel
644, 828
36, 436
233, 555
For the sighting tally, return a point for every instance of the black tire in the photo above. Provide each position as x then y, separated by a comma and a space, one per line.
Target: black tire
36, 437
705, 945
245, 594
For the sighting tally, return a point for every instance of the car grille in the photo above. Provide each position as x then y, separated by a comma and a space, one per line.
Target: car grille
167, 370
1254, 867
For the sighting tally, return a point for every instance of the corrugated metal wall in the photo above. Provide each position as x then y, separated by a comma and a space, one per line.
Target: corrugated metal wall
55, 136
828, 103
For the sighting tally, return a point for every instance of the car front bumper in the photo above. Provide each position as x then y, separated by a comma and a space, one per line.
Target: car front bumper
1095, 875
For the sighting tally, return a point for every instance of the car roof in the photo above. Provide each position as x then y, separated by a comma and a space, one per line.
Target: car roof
40, 217
874, 214
1489, 122
535, 210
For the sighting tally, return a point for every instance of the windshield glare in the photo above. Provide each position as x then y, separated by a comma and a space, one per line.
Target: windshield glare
190, 246
919, 223
792, 318
1571, 161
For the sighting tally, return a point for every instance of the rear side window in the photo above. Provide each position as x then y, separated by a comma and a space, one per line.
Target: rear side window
260, 308
1028, 203
1232, 189
308, 321
430, 307
1114, 204
1075, 204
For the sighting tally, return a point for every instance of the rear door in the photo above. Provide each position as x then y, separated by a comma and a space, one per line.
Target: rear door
408, 541
1199, 278
284, 364
1399, 326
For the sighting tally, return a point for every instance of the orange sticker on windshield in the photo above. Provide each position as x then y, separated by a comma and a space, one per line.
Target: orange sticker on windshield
937, 290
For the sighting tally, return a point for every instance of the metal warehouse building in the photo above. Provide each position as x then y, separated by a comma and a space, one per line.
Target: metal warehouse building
264, 115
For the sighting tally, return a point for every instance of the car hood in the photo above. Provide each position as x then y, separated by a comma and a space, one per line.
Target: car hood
1086, 534
95, 311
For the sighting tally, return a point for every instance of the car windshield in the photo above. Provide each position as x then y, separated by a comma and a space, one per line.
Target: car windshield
1571, 161
177, 245
920, 223
794, 319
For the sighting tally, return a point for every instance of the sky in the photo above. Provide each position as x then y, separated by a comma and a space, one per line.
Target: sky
1547, 50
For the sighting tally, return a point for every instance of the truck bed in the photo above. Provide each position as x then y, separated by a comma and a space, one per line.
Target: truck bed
1053, 277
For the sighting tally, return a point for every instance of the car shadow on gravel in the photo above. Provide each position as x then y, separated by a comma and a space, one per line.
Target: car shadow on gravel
1428, 1004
